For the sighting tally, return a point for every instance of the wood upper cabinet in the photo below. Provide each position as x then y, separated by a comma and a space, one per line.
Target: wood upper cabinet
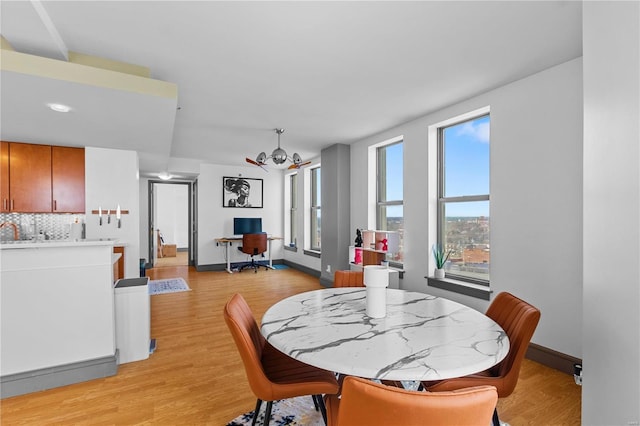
42, 178
4, 177
67, 174
29, 178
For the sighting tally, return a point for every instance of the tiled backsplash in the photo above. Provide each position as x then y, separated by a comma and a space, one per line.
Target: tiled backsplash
46, 225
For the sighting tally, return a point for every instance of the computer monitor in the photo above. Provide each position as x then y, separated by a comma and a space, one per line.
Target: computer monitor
247, 225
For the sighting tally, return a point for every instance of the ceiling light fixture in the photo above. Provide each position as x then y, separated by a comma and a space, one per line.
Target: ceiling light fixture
165, 176
278, 156
59, 107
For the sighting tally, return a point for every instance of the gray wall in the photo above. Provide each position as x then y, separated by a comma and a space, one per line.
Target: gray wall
336, 205
536, 198
611, 328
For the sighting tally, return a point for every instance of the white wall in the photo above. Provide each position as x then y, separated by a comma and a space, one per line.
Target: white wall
611, 338
215, 221
536, 198
172, 213
57, 307
111, 178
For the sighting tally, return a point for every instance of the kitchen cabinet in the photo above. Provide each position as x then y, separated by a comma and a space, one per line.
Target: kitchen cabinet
29, 178
42, 178
4, 177
119, 263
67, 179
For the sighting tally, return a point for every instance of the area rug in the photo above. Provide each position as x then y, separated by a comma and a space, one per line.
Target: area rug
169, 285
286, 412
280, 266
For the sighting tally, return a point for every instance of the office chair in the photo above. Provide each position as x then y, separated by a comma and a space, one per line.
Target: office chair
253, 244
519, 320
364, 402
273, 375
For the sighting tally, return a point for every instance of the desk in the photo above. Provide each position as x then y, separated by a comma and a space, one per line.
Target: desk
228, 242
422, 337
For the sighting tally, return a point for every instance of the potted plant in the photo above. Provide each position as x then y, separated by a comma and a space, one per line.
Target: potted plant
441, 258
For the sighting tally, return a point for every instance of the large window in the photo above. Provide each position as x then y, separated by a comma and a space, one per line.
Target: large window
463, 199
390, 212
316, 215
293, 210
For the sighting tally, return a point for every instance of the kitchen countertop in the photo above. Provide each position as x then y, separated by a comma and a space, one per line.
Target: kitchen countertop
28, 244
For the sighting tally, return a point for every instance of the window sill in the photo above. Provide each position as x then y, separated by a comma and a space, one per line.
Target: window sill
290, 248
461, 287
313, 253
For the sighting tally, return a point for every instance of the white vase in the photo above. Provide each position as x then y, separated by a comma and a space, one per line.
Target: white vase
438, 273
376, 280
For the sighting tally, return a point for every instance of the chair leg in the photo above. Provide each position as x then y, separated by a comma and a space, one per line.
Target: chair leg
496, 420
256, 412
267, 413
323, 408
315, 403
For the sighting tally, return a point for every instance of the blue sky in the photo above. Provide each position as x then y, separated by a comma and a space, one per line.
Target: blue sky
467, 165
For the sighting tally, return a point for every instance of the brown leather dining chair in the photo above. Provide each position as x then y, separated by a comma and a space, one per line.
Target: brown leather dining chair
273, 375
364, 402
348, 279
519, 320
254, 245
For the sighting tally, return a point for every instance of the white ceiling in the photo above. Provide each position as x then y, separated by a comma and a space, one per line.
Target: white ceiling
327, 72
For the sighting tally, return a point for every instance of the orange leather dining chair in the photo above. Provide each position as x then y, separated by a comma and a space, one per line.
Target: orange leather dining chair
519, 320
364, 402
253, 244
273, 375
348, 279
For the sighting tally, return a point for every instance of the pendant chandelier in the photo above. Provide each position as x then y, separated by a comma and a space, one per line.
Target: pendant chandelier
278, 156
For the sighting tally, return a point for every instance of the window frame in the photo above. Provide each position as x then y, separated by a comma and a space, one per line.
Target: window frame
381, 185
293, 210
442, 200
314, 229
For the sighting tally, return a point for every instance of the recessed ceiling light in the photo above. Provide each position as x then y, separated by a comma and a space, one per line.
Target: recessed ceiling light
59, 107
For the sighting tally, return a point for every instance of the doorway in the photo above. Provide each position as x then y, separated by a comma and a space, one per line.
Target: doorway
172, 223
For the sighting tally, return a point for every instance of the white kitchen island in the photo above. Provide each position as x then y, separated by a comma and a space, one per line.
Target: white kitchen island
57, 314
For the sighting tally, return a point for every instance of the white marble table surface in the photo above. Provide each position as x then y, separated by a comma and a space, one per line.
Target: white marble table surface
422, 337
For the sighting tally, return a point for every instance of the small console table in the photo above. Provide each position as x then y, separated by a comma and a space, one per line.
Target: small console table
228, 242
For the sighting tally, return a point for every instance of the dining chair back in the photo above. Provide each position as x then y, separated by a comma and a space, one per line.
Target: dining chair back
519, 320
272, 375
364, 402
348, 279
253, 245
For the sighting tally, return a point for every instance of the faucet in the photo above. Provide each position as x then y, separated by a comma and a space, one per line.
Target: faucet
16, 232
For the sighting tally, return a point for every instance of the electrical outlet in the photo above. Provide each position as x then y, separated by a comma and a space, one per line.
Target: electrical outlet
329, 268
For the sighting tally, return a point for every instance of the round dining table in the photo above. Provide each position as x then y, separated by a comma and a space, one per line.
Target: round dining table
422, 337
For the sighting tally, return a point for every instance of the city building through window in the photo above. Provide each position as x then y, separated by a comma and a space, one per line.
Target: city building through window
463, 199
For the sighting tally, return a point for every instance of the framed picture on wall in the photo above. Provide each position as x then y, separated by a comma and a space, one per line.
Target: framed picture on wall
241, 192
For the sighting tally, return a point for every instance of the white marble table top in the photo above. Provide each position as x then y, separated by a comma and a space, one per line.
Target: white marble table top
422, 337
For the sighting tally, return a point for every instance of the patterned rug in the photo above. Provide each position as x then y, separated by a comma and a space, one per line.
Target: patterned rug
287, 412
280, 266
170, 285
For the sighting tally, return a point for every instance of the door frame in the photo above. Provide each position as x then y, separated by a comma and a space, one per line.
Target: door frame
192, 218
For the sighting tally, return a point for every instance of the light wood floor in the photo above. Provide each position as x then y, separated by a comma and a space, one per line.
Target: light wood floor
195, 377
180, 259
